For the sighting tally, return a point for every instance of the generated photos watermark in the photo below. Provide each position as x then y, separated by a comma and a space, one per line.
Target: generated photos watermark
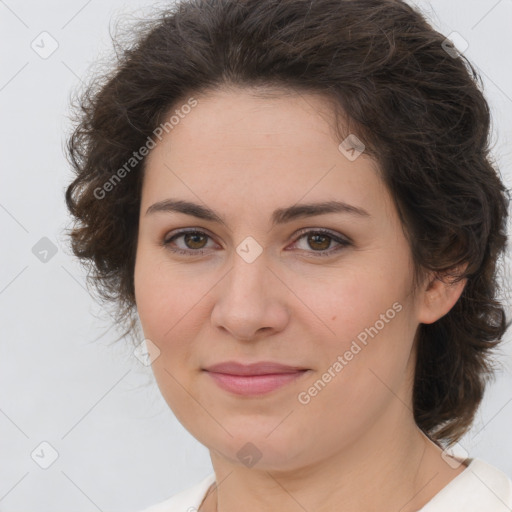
304, 397
138, 156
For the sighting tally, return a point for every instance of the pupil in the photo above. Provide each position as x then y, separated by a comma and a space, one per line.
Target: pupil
195, 236
315, 240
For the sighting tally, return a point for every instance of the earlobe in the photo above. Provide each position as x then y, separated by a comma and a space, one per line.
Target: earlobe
438, 298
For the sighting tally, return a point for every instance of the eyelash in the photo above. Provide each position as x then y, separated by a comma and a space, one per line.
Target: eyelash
328, 252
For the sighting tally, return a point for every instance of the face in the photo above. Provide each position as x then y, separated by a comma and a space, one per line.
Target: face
328, 292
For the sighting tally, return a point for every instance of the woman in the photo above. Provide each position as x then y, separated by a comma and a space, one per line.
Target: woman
296, 200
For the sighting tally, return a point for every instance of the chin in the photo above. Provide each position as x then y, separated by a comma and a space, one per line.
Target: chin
259, 451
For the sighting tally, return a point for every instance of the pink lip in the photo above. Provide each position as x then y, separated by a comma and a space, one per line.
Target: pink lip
253, 379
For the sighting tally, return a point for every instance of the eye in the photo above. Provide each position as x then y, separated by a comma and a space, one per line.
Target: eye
195, 242
321, 239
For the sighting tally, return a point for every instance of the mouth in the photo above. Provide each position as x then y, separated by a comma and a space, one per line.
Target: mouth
253, 379
252, 369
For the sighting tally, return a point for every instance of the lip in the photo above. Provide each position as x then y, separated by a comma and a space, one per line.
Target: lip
259, 368
255, 378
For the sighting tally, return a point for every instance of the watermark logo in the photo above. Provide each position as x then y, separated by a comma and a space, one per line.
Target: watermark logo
44, 45
454, 45
147, 352
44, 250
138, 156
44, 455
249, 455
454, 455
352, 147
304, 397
249, 249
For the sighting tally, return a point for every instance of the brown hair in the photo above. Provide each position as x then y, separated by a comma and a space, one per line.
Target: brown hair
414, 101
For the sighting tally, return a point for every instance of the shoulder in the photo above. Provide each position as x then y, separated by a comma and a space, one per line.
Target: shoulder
481, 487
187, 500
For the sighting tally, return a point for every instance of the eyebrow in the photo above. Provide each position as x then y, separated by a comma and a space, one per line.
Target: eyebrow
280, 215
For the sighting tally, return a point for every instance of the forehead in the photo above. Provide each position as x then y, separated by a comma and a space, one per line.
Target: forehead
235, 146
240, 119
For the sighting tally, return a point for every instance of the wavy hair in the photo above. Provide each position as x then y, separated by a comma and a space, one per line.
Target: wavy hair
396, 82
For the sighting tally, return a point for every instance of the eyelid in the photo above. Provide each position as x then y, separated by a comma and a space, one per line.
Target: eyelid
334, 234
183, 231
343, 241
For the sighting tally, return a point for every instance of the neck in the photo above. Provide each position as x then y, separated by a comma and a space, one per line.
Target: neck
388, 467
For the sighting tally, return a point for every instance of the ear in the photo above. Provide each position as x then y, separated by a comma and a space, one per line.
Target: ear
438, 296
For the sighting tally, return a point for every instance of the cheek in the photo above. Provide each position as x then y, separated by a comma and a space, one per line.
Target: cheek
166, 305
166, 295
354, 304
367, 335
173, 307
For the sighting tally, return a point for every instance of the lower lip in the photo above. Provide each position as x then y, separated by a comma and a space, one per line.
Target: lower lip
253, 384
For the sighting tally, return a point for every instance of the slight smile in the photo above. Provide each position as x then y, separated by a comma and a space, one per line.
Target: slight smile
255, 378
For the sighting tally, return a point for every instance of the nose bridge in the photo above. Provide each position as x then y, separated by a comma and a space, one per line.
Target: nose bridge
248, 276
248, 300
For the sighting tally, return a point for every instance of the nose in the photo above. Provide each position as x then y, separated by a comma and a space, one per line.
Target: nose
250, 300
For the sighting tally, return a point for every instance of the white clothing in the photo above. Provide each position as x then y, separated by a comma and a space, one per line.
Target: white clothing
479, 488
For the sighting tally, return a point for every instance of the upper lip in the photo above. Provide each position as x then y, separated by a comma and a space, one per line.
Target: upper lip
259, 368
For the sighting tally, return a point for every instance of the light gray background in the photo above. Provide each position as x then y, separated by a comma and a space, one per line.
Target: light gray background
62, 379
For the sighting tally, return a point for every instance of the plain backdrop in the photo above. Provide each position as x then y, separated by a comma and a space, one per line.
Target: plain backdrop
63, 381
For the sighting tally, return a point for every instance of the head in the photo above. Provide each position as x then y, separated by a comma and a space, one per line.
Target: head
253, 110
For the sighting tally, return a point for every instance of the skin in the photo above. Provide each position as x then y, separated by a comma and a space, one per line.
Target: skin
244, 156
